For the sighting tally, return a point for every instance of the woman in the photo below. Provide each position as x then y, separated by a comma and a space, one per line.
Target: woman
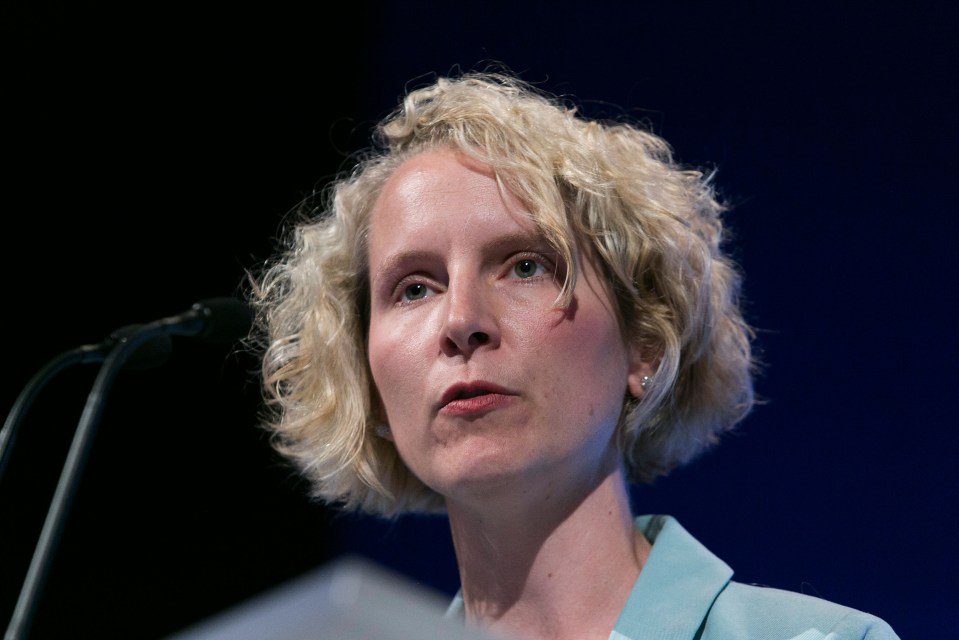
509, 313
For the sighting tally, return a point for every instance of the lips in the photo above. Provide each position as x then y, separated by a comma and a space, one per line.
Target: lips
472, 397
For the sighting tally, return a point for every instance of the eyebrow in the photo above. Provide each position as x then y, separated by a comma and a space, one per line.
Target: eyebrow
394, 261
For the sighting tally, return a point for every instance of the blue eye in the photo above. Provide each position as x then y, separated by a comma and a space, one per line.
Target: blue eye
414, 291
526, 268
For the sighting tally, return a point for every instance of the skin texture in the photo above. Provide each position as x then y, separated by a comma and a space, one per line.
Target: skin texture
463, 302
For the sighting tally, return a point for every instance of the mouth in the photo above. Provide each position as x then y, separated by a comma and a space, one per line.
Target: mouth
470, 394
468, 390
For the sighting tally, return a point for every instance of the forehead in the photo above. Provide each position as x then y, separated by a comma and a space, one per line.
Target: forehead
444, 188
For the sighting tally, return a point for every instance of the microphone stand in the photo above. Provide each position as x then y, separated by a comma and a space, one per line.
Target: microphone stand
8, 436
73, 467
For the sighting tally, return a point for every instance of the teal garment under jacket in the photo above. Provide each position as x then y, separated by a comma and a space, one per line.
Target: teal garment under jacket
684, 592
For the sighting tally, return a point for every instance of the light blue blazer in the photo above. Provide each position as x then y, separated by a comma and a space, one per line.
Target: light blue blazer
684, 592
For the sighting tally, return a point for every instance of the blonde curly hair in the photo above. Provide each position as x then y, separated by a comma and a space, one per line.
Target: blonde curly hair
611, 188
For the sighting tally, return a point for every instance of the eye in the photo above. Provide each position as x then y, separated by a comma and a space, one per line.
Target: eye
528, 268
415, 291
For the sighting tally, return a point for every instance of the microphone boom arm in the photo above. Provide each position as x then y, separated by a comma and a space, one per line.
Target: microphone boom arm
216, 319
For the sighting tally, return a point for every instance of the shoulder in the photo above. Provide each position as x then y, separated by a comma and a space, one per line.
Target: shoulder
749, 611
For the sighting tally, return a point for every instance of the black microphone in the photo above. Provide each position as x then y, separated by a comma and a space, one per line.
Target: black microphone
218, 320
214, 320
140, 346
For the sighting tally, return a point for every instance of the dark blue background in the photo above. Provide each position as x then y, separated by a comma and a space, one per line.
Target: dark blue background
151, 155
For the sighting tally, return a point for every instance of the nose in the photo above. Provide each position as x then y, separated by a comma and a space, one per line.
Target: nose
471, 321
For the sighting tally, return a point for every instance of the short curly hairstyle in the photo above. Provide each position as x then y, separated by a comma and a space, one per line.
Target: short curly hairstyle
611, 188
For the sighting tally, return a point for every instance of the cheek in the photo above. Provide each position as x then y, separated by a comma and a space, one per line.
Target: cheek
584, 359
399, 366
397, 369
384, 357
583, 336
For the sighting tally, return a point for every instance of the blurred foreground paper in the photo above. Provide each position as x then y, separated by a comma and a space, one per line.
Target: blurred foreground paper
348, 599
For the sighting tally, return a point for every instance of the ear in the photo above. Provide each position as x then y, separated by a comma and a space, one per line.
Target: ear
639, 368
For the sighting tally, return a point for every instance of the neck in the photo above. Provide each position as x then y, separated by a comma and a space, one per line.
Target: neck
564, 572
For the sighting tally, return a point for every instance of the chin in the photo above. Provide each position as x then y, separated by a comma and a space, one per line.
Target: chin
499, 476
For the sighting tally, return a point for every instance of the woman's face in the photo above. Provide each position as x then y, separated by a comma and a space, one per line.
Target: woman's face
488, 385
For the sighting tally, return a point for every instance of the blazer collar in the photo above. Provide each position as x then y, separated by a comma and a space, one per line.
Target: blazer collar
676, 588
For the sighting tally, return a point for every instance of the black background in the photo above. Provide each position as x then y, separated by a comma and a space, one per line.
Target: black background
151, 154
